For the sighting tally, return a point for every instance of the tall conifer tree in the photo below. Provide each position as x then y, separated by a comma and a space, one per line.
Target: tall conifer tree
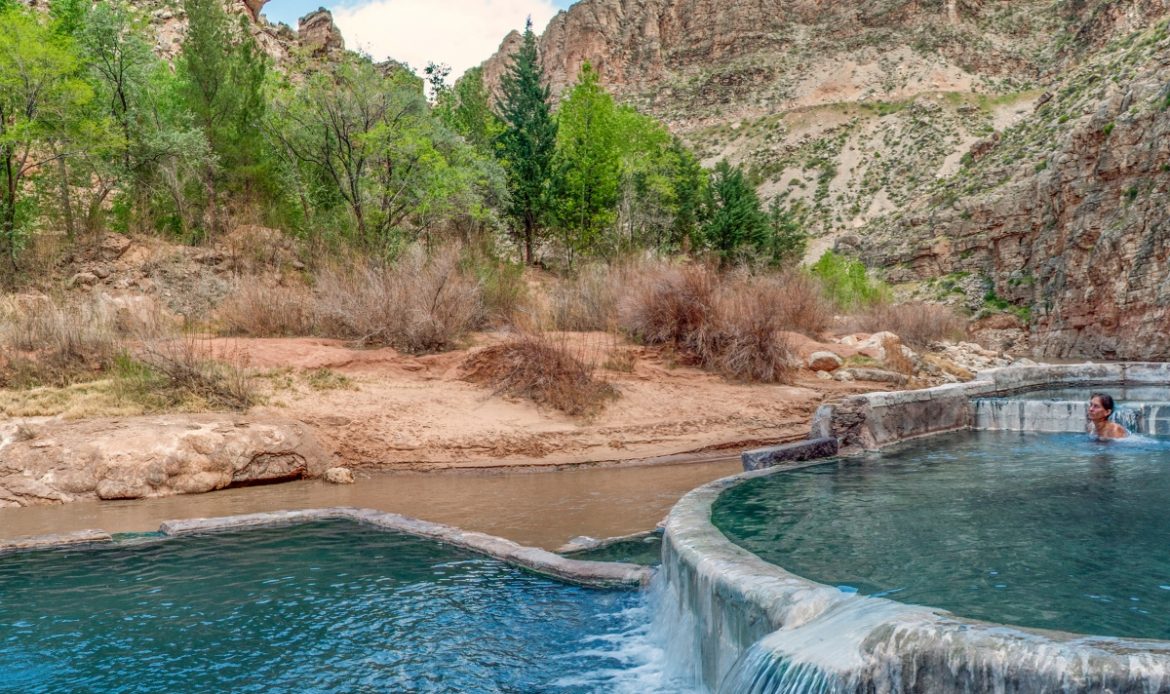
528, 142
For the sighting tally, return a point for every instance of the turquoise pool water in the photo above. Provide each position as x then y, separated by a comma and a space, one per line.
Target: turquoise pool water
1053, 531
322, 607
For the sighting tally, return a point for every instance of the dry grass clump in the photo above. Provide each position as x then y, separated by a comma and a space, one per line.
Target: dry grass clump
184, 372
896, 359
536, 368
918, 323
45, 343
419, 304
728, 325
588, 300
256, 309
101, 356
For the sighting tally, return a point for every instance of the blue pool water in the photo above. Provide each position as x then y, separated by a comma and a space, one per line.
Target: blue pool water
1053, 531
321, 607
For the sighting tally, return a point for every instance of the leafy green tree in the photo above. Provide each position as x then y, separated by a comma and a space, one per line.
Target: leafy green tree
133, 93
366, 141
662, 183
527, 143
688, 186
221, 76
847, 282
40, 96
435, 76
466, 109
69, 16
735, 224
587, 165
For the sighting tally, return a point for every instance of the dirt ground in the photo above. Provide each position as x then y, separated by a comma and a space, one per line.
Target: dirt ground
379, 409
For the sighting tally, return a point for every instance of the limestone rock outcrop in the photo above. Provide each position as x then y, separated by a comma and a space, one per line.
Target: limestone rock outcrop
1064, 218
55, 461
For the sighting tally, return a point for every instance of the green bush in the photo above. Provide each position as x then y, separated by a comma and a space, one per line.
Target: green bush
847, 283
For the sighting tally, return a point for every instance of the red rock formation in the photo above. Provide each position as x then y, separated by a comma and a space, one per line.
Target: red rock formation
317, 32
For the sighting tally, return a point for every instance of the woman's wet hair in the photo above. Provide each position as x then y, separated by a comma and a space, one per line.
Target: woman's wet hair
1106, 400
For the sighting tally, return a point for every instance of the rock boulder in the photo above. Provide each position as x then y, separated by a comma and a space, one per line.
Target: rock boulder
137, 457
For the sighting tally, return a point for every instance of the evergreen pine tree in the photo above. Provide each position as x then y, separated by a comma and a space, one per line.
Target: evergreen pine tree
787, 240
735, 221
528, 142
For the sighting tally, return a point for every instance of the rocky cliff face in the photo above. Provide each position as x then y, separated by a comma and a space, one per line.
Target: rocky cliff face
842, 109
1063, 216
988, 150
317, 37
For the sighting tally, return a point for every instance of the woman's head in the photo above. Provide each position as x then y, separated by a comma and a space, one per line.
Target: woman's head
1101, 405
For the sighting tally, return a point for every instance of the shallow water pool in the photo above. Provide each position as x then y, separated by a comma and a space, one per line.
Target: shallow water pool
1053, 531
322, 607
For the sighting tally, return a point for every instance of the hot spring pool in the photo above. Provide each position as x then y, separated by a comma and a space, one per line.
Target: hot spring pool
323, 606
1052, 531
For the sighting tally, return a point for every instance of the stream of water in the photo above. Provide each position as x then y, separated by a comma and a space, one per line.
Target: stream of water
542, 509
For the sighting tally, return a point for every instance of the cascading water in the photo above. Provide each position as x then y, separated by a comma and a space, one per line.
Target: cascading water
1066, 415
747, 625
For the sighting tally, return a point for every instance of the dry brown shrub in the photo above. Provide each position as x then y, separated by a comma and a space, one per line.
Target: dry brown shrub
896, 359
504, 294
918, 323
537, 368
800, 302
254, 308
671, 304
729, 324
621, 360
587, 301
177, 370
748, 345
419, 304
252, 249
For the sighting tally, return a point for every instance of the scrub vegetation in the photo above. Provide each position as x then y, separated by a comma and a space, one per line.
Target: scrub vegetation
396, 221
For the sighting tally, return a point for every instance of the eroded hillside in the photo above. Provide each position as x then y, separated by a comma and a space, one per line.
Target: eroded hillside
1006, 152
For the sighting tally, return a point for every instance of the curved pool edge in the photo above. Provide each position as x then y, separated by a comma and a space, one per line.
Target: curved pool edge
744, 608
592, 574
873, 421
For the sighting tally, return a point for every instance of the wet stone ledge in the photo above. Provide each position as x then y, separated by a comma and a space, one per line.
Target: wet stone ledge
876, 420
593, 574
80, 537
752, 622
798, 452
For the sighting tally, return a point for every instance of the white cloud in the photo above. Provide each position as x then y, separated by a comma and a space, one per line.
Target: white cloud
461, 33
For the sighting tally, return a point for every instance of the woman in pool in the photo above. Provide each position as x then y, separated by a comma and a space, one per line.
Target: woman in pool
1100, 409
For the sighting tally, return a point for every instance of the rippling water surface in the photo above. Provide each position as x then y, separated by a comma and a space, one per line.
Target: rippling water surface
1040, 530
325, 607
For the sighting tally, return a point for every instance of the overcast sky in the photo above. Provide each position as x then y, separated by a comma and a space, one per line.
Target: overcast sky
461, 33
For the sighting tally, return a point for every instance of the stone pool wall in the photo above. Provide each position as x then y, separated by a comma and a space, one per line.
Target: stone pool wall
873, 421
587, 573
756, 627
